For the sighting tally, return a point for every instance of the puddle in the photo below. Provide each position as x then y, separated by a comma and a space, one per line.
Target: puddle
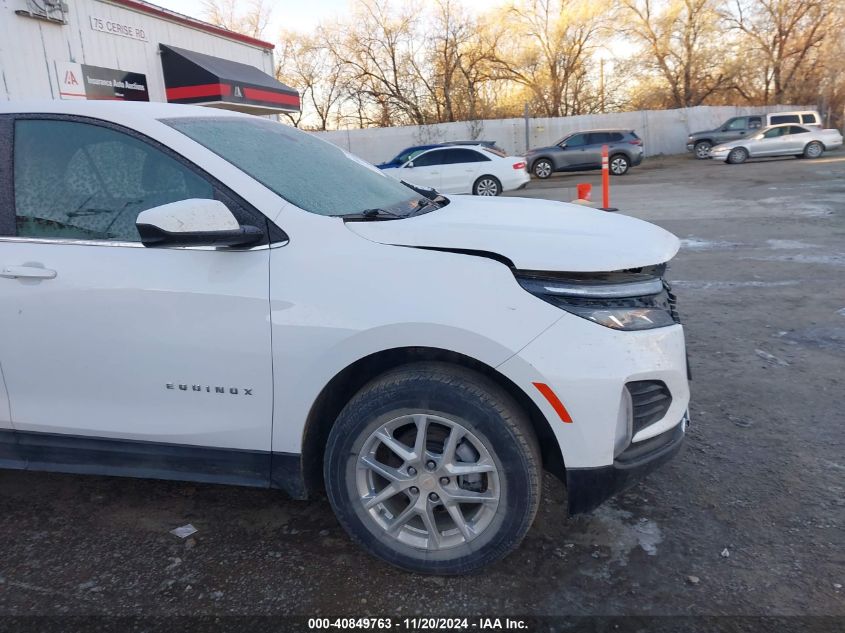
729, 285
618, 533
697, 244
837, 259
793, 245
829, 338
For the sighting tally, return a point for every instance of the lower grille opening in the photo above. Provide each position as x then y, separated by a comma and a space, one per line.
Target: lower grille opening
651, 400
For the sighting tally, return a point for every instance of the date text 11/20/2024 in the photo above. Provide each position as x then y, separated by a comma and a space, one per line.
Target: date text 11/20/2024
417, 624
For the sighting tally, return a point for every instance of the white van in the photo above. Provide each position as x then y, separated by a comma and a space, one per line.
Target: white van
805, 117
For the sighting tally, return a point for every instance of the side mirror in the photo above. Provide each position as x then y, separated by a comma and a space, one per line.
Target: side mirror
194, 222
409, 165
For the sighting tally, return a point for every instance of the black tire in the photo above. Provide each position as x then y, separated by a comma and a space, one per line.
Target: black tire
542, 168
619, 164
477, 405
737, 156
814, 149
487, 186
701, 150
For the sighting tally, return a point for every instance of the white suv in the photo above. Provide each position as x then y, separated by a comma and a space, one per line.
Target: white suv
193, 294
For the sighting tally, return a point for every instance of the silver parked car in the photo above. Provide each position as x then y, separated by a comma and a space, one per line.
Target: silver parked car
779, 140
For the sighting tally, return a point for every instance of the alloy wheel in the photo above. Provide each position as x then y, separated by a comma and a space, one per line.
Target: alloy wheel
702, 150
814, 150
618, 166
487, 187
543, 169
427, 481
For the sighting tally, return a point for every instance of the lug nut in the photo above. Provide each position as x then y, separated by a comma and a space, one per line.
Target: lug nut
430, 465
414, 490
434, 496
444, 481
412, 471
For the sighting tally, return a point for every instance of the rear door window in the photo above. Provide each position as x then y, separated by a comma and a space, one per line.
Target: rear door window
755, 122
432, 159
797, 129
456, 156
598, 138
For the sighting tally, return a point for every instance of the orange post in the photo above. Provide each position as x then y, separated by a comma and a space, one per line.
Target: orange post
605, 178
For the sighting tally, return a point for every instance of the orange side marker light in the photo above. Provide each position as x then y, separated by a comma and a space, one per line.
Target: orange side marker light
557, 405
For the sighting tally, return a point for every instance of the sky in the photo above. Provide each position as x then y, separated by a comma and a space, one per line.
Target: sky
297, 15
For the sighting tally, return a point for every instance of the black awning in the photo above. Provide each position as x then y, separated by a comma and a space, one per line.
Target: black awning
197, 78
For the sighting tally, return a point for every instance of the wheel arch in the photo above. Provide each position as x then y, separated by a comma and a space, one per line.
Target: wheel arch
346, 383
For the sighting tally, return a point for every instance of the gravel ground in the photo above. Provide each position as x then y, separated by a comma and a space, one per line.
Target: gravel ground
747, 520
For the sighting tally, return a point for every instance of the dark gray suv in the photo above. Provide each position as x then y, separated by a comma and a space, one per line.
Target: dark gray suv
581, 151
735, 128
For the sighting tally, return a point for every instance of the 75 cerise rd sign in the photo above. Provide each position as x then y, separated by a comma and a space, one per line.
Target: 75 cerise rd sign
118, 28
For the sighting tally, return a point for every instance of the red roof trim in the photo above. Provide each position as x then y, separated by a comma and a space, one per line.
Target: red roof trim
143, 7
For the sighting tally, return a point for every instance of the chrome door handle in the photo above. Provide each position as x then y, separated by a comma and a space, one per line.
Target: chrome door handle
27, 272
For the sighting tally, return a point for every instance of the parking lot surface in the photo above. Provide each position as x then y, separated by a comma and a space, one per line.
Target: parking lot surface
749, 519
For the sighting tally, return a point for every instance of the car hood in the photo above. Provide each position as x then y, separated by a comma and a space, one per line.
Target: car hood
700, 132
542, 150
731, 144
533, 234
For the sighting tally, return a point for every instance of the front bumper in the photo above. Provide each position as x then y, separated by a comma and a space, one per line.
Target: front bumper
719, 154
587, 488
690, 147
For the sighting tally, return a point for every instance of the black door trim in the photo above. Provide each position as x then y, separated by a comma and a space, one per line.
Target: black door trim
56, 452
7, 189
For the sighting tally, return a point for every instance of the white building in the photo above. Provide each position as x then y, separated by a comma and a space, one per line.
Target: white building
133, 50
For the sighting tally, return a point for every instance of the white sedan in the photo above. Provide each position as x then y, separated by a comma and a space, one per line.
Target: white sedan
786, 139
463, 169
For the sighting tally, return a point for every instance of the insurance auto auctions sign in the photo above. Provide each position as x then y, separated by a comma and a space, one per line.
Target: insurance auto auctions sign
80, 81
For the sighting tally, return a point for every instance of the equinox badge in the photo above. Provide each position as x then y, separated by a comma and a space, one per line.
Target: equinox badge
209, 389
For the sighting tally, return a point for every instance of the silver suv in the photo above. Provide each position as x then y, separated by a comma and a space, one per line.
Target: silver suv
581, 151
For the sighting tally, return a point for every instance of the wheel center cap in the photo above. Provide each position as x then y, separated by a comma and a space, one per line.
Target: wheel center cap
428, 482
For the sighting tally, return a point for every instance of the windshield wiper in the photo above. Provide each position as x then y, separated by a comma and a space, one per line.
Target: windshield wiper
425, 205
373, 214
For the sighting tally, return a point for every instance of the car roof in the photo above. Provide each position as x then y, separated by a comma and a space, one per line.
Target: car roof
123, 112
603, 129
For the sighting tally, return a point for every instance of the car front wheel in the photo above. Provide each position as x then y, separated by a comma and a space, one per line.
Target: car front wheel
542, 168
434, 469
737, 155
702, 149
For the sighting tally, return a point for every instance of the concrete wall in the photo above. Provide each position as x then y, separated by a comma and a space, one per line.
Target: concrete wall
662, 131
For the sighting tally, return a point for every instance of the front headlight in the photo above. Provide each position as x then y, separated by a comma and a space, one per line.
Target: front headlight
628, 300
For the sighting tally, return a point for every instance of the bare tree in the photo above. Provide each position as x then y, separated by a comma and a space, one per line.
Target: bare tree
680, 43
307, 63
251, 17
783, 38
551, 44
